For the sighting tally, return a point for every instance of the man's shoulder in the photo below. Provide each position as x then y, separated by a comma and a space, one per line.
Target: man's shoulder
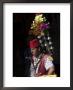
47, 57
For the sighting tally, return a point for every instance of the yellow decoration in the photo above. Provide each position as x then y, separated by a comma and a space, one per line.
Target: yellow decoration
50, 58
54, 75
39, 18
35, 26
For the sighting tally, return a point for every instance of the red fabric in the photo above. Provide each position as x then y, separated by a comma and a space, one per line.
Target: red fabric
34, 43
42, 69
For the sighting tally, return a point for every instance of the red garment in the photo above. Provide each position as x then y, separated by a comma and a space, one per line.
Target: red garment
34, 43
41, 68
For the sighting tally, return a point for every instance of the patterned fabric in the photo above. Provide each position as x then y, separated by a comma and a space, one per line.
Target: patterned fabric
41, 65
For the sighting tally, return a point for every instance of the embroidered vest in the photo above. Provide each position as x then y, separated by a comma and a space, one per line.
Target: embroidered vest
41, 68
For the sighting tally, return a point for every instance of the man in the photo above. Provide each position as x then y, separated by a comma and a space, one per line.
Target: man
41, 64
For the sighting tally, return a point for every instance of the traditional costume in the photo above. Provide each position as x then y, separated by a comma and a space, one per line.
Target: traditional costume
40, 64
43, 62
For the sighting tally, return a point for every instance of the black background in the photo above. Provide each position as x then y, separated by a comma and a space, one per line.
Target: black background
1, 42
21, 26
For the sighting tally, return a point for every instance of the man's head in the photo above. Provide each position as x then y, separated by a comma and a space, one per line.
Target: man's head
34, 46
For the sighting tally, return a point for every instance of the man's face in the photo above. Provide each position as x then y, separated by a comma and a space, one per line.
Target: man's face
34, 51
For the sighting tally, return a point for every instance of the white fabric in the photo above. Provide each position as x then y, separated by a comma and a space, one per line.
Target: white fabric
32, 67
37, 68
48, 63
32, 71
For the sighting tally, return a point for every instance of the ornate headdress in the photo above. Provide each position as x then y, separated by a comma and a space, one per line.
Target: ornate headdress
40, 29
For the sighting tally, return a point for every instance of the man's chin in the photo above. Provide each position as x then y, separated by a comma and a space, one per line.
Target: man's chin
33, 54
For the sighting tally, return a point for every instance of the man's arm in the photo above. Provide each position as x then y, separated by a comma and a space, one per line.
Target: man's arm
51, 70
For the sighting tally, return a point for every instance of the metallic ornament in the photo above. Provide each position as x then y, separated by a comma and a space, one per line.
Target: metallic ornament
38, 37
45, 44
48, 38
50, 43
40, 41
51, 47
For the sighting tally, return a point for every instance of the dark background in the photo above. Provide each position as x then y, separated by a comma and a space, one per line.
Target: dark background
21, 26
1, 42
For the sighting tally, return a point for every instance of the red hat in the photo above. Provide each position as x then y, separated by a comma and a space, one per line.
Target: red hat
34, 43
